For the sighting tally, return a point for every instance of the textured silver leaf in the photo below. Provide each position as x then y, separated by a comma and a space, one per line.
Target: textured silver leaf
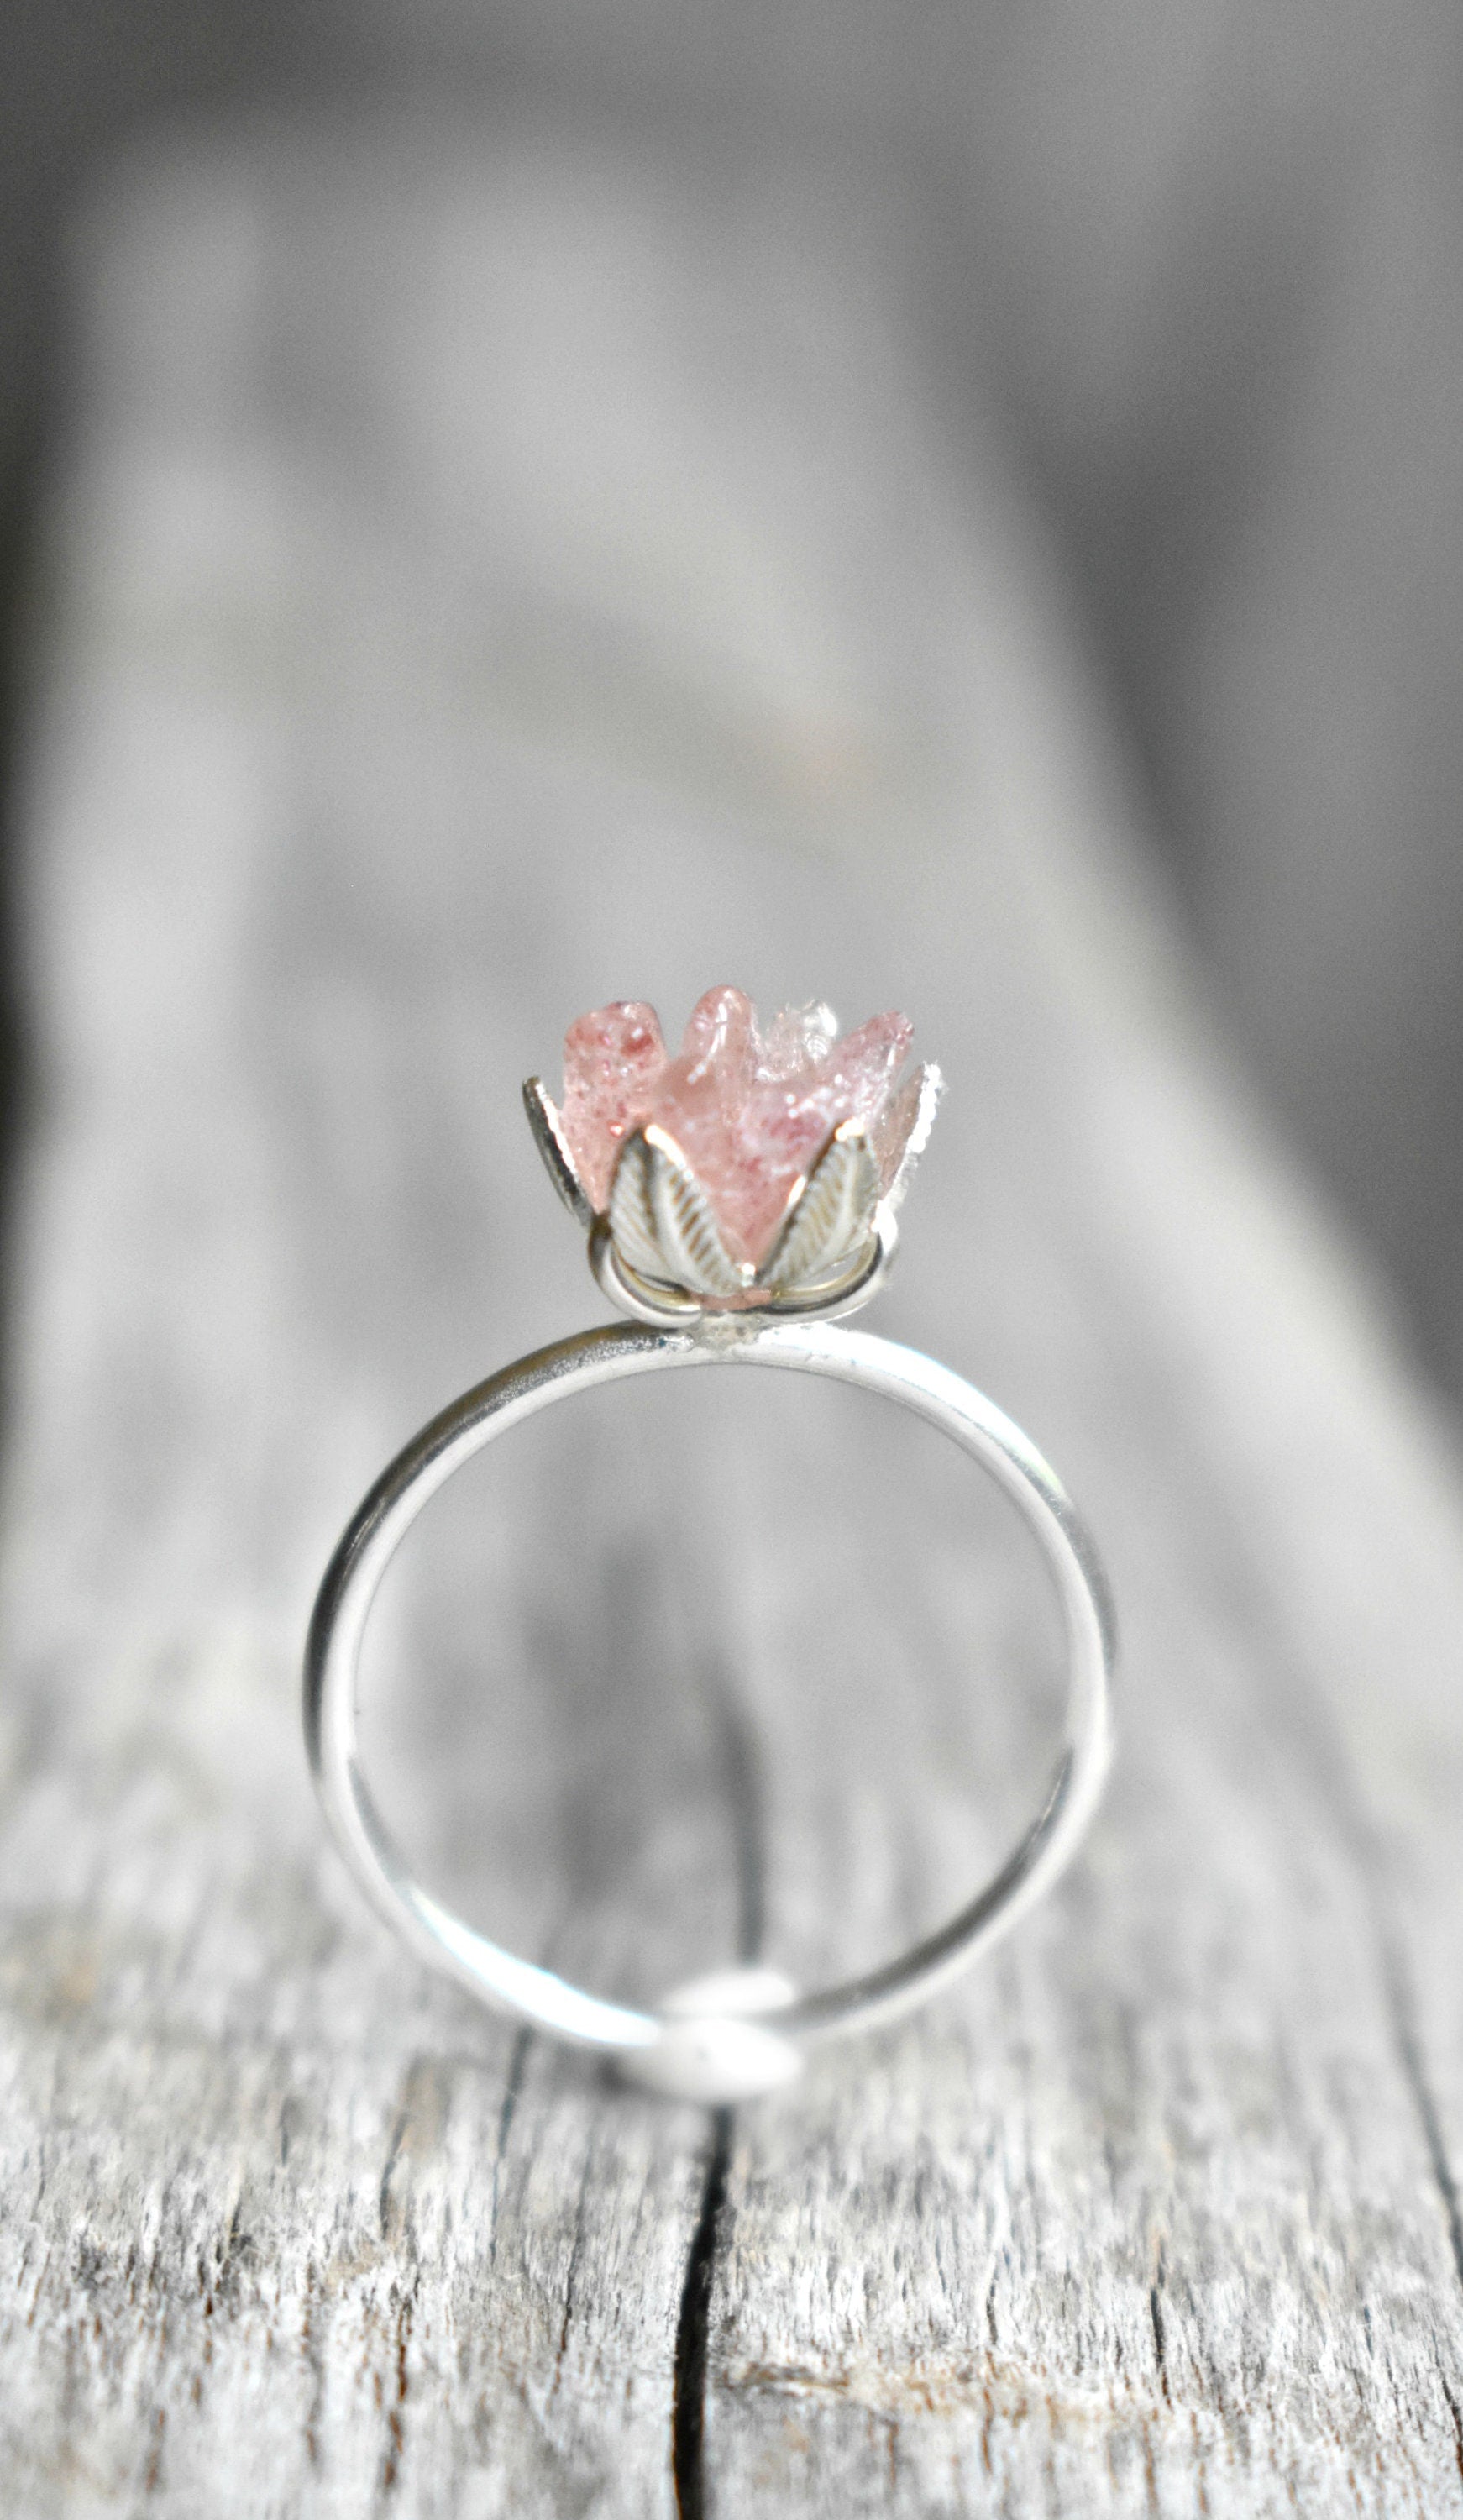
549, 1137
831, 1218
694, 1254
632, 1216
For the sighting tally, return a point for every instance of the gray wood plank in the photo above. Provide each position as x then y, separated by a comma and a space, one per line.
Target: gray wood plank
495, 573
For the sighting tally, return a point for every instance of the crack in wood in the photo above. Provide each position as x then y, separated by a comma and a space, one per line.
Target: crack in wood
390, 2476
693, 2333
1415, 2074
571, 2280
1456, 2414
513, 2085
1156, 2319
740, 1766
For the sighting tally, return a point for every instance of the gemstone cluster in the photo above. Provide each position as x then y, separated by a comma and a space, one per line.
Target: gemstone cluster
705, 1163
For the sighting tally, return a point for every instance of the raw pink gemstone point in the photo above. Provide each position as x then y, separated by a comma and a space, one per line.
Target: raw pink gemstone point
749, 1110
613, 1059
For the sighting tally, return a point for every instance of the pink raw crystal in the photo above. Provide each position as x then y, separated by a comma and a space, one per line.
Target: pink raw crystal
613, 1060
748, 1112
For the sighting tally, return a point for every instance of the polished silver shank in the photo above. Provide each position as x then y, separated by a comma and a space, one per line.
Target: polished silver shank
741, 2031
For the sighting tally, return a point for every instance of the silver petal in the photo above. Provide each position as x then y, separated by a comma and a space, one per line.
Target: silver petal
694, 1254
829, 1217
631, 1213
549, 1137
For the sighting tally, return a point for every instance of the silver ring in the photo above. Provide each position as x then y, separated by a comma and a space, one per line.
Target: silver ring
738, 2031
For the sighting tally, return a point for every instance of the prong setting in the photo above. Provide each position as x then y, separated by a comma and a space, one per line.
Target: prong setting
829, 1216
558, 1163
659, 1253
686, 1170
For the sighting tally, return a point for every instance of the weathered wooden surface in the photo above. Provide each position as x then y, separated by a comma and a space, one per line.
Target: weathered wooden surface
490, 576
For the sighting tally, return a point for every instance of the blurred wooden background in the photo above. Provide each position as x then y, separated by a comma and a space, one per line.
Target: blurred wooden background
1194, 268
491, 567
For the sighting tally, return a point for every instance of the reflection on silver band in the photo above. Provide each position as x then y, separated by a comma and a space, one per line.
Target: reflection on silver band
738, 2031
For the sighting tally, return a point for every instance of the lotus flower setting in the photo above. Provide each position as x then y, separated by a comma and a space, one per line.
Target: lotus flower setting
754, 1160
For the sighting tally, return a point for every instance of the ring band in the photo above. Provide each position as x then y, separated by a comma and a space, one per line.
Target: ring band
706, 2054
657, 1247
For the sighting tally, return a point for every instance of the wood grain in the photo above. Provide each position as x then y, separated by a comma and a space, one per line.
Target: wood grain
493, 571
